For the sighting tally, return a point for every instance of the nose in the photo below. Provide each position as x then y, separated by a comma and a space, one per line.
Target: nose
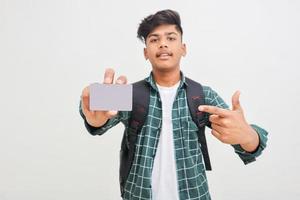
163, 44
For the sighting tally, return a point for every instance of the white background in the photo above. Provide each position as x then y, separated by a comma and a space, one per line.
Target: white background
51, 50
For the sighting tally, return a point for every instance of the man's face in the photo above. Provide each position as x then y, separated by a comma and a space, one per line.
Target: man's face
164, 48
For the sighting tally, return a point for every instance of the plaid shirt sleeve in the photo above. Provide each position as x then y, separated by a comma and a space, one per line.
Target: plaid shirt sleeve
212, 98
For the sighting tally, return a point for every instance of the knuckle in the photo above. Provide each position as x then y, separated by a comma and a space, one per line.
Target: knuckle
214, 109
224, 138
226, 122
213, 126
214, 132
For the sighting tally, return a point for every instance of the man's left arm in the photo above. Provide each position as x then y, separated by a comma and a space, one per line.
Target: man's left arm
231, 127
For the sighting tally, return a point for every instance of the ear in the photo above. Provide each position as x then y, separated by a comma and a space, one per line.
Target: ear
145, 53
183, 47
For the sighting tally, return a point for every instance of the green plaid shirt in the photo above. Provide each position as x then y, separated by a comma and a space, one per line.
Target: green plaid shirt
192, 181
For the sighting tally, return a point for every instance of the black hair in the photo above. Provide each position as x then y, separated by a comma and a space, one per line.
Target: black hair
162, 17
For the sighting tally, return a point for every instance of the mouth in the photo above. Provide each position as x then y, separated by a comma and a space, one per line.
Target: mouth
164, 55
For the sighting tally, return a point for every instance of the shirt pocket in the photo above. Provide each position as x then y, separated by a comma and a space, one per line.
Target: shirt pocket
190, 135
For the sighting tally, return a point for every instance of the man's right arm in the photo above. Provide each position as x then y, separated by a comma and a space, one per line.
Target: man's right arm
98, 122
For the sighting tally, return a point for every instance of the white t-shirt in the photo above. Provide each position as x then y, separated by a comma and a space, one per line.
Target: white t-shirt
164, 175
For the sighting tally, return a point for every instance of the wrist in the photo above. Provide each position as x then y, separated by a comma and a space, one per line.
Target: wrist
251, 144
97, 124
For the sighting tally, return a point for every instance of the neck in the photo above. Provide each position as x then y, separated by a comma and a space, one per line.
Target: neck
166, 78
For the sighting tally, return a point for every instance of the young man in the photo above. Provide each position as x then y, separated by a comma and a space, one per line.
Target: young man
168, 162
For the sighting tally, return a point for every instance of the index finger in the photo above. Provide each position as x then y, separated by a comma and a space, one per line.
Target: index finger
109, 76
214, 110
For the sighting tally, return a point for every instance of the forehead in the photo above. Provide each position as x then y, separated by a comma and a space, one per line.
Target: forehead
164, 29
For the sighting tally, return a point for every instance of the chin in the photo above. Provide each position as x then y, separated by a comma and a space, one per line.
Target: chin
164, 68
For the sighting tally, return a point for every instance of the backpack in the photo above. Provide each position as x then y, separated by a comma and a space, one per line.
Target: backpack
141, 98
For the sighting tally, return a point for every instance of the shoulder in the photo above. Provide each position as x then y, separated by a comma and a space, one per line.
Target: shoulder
208, 91
213, 98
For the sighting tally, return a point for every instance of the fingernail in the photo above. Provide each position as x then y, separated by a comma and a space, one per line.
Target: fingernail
119, 81
201, 108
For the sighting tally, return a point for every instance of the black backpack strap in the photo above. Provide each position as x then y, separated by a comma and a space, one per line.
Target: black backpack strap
195, 97
140, 106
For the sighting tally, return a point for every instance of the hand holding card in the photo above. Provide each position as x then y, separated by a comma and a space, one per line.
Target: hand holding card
97, 117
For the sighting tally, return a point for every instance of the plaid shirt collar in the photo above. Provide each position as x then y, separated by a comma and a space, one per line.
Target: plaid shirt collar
150, 80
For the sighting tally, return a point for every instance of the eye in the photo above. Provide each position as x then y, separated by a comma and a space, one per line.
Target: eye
171, 38
153, 40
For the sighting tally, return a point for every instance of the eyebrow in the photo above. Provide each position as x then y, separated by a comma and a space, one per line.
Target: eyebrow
157, 35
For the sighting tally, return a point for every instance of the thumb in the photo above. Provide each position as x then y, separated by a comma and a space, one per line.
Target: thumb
236, 101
